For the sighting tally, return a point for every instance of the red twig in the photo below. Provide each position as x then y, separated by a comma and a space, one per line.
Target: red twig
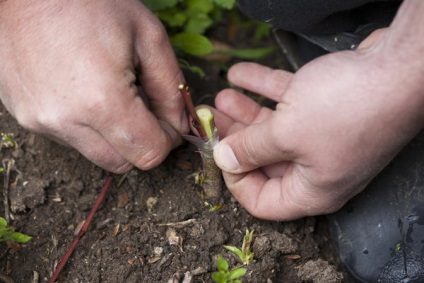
186, 93
82, 231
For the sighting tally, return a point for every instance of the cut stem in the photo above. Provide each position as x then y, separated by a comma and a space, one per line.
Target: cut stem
203, 122
186, 93
206, 120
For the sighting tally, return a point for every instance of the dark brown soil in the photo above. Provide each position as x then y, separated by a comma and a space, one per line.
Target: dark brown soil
51, 190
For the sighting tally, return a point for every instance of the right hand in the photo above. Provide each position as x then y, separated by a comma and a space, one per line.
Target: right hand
75, 71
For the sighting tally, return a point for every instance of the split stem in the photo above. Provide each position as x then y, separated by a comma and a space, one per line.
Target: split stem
186, 93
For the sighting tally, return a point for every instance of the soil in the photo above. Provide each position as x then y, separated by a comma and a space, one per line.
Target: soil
51, 189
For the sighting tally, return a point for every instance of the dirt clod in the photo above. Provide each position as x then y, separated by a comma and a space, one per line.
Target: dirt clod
319, 271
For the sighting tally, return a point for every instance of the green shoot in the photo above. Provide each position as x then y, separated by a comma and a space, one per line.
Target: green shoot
224, 275
206, 121
7, 141
245, 254
212, 208
8, 233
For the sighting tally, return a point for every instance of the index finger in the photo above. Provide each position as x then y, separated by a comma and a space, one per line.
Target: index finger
262, 80
160, 73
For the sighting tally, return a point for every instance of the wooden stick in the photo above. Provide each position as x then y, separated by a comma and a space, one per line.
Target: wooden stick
82, 231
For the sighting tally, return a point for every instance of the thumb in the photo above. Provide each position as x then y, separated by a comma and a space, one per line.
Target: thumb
254, 146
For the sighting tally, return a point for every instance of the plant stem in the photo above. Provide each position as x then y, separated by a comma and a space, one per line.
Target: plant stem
203, 121
82, 231
206, 120
186, 93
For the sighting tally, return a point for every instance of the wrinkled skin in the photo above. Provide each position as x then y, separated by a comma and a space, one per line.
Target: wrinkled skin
76, 72
338, 122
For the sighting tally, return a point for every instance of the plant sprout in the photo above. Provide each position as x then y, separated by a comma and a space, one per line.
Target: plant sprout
9, 234
245, 254
8, 141
224, 275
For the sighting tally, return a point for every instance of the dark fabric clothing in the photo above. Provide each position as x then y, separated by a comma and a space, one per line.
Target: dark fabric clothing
322, 17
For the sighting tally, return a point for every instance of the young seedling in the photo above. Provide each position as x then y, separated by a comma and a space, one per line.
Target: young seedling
224, 275
210, 179
9, 234
245, 254
8, 141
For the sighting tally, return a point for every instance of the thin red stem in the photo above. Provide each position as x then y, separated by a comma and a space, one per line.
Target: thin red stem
186, 93
82, 231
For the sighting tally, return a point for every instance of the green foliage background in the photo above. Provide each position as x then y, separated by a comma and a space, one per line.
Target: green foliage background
188, 20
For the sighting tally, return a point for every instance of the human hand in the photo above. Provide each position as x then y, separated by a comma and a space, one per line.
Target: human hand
337, 123
76, 71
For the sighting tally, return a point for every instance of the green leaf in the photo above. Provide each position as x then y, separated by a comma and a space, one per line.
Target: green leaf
7, 233
159, 5
3, 223
221, 263
204, 6
19, 237
198, 23
235, 250
219, 277
248, 53
226, 4
192, 43
1, 169
237, 273
172, 17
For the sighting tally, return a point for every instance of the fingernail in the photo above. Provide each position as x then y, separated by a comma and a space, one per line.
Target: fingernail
226, 158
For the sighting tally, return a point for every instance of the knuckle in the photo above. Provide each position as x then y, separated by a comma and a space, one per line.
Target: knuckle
247, 150
26, 121
42, 121
156, 32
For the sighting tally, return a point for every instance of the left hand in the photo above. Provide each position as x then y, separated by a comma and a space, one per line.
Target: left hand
338, 122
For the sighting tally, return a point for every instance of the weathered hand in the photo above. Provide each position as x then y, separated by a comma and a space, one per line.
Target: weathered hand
76, 71
338, 122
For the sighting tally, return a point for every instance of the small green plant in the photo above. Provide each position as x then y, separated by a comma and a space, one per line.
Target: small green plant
9, 234
224, 275
245, 254
8, 141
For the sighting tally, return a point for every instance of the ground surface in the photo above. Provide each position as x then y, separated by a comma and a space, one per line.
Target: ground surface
51, 190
